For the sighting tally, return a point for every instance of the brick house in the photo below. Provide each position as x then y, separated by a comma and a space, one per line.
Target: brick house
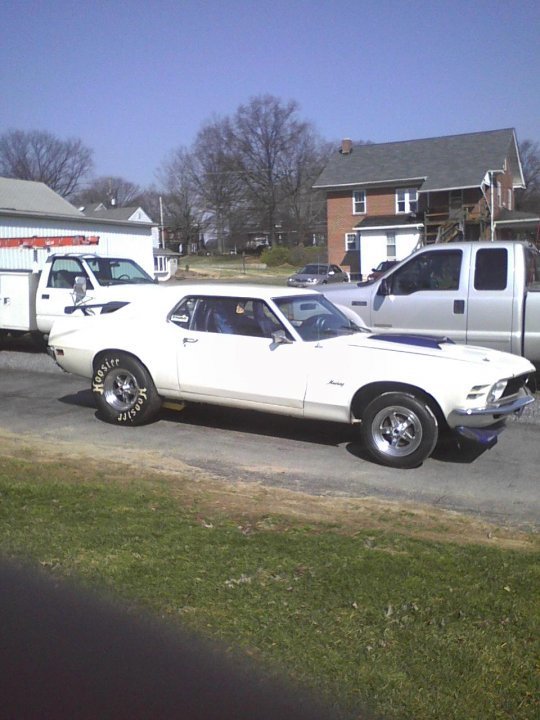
384, 200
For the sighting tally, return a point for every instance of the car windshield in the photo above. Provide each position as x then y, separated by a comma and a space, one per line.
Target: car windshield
118, 271
314, 270
316, 318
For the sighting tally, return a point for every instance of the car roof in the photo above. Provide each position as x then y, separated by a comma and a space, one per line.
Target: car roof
167, 296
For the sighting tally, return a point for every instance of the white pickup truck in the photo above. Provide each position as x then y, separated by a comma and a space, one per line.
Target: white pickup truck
479, 293
30, 300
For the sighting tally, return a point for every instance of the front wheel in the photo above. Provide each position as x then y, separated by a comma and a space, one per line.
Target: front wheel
399, 430
124, 391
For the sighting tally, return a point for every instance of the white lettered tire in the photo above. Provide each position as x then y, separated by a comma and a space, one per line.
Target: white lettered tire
399, 430
123, 390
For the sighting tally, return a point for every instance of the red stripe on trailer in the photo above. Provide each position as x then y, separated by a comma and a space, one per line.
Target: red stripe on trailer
54, 241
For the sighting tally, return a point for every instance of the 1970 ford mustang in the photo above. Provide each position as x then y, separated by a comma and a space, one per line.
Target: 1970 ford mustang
291, 352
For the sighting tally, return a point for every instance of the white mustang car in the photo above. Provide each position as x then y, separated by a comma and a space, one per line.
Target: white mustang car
291, 352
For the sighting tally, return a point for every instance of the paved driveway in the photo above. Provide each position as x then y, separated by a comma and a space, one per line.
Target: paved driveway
318, 458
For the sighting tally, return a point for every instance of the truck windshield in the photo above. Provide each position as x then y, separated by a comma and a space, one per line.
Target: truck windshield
118, 271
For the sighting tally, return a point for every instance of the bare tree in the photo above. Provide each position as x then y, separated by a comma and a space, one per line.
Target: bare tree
529, 199
252, 172
264, 137
180, 200
215, 179
35, 155
111, 191
305, 206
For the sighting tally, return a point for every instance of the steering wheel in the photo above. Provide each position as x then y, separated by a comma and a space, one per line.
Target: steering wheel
123, 277
316, 326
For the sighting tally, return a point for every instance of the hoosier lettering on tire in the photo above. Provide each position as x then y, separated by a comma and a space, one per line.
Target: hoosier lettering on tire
124, 391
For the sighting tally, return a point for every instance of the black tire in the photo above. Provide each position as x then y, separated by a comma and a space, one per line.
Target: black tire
399, 430
124, 391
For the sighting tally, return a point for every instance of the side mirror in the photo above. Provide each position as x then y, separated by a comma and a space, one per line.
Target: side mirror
279, 337
79, 288
384, 288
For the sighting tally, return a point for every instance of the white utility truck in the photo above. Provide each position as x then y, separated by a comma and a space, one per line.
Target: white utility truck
42, 278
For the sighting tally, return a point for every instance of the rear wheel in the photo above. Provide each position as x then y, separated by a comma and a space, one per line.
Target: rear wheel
125, 393
399, 430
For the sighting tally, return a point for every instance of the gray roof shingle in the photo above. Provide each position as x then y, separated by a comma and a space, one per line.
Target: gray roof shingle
27, 196
440, 163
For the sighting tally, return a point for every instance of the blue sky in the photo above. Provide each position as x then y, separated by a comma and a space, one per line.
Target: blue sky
136, 79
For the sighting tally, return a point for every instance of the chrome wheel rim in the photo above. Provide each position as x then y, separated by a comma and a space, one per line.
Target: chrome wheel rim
396, 431
121, 390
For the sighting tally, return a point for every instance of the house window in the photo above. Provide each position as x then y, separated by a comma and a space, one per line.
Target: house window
351, 241
406, 200
160, 263
359, 202
391, 245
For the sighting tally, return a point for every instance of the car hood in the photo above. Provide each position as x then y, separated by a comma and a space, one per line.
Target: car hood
504, 364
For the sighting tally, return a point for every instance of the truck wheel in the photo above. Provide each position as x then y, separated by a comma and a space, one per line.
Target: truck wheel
124, 391
399, 430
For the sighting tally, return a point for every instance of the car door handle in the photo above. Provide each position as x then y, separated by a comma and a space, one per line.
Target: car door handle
190, 340
459, 307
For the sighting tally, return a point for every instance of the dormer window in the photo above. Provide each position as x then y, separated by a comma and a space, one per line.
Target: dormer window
359, 202
406, 200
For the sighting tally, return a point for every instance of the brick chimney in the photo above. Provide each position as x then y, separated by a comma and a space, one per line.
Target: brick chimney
346, 146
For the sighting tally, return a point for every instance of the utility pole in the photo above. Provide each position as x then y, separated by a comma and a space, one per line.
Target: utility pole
161, 228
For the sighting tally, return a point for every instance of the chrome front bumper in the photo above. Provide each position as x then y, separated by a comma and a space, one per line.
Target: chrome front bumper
503, 409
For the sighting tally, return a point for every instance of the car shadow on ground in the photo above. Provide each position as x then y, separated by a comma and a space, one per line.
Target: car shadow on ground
448, 450
260, 423
83, 398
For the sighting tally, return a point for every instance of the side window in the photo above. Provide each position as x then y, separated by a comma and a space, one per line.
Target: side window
532, 260
428, 271
183, 314
63, 273
227, 315
491, 269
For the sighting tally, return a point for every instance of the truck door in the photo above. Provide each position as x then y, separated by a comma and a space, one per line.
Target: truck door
491, 309
426, 295
57, 293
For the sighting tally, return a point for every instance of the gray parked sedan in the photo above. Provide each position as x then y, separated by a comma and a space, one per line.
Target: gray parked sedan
317, 274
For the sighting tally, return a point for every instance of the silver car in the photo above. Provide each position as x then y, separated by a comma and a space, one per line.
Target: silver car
317, 274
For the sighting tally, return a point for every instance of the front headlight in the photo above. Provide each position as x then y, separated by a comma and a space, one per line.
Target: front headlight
497, 391
312, 280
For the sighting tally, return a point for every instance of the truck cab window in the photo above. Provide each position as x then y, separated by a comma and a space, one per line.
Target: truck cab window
63, 273
491, 270
532, 260
428, 271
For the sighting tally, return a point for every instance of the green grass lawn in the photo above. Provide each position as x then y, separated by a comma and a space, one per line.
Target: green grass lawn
414, 628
